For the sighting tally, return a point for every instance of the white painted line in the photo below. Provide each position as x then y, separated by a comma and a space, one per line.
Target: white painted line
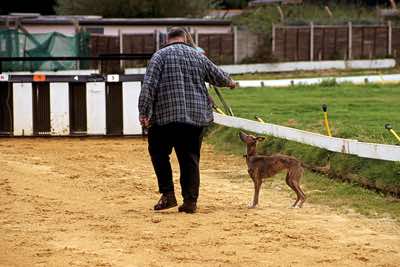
347, 146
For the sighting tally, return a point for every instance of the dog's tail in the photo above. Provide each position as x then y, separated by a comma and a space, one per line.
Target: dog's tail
324, 169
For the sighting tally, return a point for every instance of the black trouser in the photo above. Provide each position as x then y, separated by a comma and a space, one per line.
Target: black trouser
186, 140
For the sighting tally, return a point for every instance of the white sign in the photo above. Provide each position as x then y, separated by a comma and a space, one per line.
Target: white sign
112, 78
3, 77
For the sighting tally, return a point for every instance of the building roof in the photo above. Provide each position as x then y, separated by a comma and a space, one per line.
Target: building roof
96, 20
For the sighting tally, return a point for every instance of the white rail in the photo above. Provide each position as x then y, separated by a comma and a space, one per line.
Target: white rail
297, 66
346, 146
389, 78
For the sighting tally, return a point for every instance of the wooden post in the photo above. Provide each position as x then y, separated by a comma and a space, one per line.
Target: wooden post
311, 41
350, 37
374, 44
297, 56
390, 38
121, 48
323, 44
157, 33
235, 45
196, 37
284, 43
362, 41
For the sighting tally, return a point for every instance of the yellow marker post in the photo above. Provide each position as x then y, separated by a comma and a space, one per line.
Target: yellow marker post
259, 119
326, 122
390, 129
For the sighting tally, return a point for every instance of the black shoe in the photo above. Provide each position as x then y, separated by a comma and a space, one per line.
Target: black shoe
188, 207
166, 201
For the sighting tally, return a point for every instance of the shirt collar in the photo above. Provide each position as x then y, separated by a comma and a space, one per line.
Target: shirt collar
175, 43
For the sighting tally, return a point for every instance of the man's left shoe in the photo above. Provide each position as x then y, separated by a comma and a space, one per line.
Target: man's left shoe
166, 201
188, 207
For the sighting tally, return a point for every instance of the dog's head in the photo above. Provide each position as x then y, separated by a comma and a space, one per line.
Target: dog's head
250, 140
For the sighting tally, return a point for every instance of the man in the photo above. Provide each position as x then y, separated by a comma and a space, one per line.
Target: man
174, 104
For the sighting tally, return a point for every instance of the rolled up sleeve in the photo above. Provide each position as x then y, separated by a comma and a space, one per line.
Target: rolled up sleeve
215, 75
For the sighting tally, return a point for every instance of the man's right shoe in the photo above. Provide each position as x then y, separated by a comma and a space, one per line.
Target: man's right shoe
166, 201
188, 207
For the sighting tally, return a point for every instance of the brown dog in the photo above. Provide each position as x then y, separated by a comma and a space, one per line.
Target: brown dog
260, 167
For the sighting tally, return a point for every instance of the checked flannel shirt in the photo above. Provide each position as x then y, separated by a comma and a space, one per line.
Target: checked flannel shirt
174, 87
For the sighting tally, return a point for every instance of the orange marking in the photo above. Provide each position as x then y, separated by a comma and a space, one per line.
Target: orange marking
39, 78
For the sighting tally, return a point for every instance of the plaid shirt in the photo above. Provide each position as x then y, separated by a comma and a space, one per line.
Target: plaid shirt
174, 87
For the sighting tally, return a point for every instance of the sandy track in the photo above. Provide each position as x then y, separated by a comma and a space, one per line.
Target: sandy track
72, 202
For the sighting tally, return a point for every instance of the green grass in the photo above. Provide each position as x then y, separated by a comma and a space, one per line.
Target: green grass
357, 112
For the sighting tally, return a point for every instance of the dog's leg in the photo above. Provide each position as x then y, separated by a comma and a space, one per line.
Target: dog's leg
257, 185
296, 183
294, 178
290, 184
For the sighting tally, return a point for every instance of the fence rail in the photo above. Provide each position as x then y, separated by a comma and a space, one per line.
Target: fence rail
346, 146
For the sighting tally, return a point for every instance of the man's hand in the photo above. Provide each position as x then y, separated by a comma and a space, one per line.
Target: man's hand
144, 121
232, 84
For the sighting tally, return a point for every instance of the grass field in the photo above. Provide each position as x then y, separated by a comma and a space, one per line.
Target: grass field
357, 112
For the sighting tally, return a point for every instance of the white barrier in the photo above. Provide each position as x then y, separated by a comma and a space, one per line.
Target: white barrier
96, 110
310, 66
297, 66
347, 146
389, 78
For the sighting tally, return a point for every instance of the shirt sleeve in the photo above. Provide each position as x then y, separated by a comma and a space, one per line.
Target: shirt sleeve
150, 84
215, 75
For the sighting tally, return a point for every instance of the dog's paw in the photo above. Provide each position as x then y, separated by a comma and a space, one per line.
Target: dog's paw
251, 206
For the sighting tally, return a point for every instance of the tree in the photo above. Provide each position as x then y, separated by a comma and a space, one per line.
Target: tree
44, 7
135, 8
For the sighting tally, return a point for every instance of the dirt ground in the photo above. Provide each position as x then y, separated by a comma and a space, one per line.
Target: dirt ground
88, 202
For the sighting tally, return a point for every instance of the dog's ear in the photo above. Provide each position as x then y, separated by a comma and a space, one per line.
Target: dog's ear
260, 138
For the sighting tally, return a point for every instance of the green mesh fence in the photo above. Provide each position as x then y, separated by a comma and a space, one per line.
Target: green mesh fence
14, 43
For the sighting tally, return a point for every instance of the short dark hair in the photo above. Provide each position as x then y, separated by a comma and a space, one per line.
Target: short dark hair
176, 32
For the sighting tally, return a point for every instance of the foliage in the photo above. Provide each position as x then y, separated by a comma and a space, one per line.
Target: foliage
134, 8
260, 19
